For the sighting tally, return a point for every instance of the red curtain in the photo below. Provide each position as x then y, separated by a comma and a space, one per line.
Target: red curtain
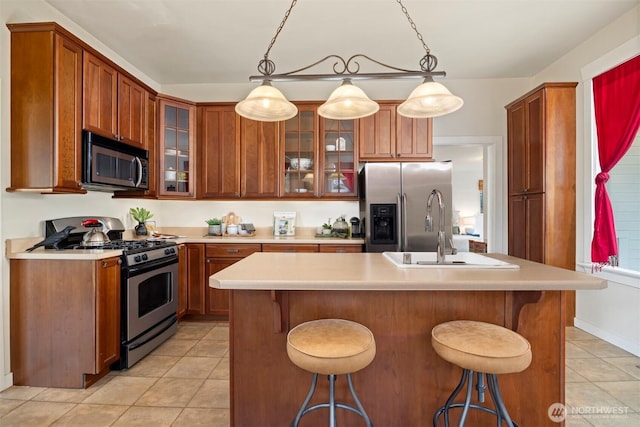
616, 97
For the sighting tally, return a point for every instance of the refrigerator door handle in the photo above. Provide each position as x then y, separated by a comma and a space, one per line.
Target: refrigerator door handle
403, 222
399, 226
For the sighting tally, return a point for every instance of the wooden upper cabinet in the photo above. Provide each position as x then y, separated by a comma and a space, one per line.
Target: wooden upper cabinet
526, 127
414, 139
378, 134
300, 141
131, 111
46, 106
339, 158
114, 105
176, 149
260, 159
387, 136
219, 148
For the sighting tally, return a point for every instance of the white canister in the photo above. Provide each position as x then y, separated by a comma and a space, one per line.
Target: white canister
232, 229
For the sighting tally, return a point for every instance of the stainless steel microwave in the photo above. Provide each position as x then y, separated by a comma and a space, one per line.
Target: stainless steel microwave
110, 165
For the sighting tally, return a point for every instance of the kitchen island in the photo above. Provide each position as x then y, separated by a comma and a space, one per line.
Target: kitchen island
405, 384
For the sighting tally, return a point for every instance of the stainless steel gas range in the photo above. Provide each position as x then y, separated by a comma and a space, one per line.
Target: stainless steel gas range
149, 281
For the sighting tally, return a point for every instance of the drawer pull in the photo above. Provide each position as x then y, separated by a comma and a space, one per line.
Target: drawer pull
232, 251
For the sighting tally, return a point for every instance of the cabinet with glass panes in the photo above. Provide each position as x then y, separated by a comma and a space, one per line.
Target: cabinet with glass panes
339, 158
300, 153
177, 125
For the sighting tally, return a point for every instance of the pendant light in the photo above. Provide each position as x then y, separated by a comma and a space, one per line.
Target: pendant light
266, 103
348, 102
430, 99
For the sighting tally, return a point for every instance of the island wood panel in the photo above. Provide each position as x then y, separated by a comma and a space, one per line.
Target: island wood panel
407, 381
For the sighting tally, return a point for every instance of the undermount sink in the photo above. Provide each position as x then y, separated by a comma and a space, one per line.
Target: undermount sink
459, 260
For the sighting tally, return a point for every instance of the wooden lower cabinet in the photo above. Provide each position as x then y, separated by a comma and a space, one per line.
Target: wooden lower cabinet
218, 257
289, 247
341, 248
195, 278
183, 280
308, 247
201, 260
65, 321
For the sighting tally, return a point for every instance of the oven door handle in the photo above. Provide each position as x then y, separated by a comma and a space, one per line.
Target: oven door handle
135, 345
137, 269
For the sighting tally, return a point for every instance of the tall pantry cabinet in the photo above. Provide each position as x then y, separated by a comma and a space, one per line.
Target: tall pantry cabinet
541, 154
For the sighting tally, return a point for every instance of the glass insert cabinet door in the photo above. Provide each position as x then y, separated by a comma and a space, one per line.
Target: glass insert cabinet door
339, 177
177, 128
300, 153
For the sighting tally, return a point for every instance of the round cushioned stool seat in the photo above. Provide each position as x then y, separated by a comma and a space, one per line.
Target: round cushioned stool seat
481, 347
331, 346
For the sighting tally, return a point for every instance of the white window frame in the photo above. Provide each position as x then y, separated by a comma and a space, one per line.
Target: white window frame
591, 167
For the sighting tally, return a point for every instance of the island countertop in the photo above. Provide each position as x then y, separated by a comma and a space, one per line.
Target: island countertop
373, 272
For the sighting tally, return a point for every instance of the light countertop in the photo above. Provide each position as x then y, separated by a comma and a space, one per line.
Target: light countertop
16, 248
372, 271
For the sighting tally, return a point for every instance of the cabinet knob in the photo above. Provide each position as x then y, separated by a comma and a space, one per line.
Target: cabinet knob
122, 138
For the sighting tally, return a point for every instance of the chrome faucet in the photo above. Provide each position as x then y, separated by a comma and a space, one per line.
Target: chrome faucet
428, 223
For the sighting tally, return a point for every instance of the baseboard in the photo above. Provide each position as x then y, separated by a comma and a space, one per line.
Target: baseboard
6, 381
626, 345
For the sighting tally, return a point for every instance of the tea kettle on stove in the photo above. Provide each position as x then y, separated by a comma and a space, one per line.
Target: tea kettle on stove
95, 237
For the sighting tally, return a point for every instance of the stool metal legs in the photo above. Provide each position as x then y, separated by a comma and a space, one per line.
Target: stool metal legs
467, 378
332, 404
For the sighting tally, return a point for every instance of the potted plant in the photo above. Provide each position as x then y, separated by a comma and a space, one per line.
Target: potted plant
141, 215
326, 227
215, 226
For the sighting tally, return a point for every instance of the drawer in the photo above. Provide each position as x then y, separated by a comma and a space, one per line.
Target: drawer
235, 250
341, 248
300, 247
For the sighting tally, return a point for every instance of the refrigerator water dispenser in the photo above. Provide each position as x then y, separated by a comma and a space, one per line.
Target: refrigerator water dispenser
383, 224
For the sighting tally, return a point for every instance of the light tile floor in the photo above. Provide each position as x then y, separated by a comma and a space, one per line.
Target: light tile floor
602, 383
185, 382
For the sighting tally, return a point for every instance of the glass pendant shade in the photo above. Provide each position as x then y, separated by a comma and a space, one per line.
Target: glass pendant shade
266, 104
430, 99
348, 102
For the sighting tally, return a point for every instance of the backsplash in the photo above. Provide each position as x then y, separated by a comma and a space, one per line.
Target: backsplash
29, 211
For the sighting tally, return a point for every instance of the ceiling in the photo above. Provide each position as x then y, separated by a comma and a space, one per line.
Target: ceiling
221, 41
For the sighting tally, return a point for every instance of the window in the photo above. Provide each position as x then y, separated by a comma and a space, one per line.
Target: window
625, 200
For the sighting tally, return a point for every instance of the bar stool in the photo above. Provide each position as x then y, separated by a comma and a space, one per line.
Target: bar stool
486, 350
331, 347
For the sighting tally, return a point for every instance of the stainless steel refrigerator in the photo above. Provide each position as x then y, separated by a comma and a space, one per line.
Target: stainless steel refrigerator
393, 205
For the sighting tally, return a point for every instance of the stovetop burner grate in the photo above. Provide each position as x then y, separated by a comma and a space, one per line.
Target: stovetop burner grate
130, 246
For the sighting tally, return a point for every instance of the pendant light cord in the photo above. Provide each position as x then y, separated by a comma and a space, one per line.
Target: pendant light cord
267, 67
428, 62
